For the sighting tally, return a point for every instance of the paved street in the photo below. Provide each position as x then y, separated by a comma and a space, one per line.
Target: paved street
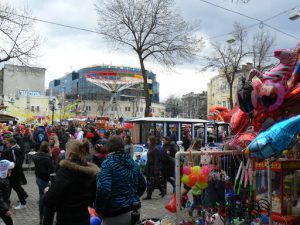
150, 209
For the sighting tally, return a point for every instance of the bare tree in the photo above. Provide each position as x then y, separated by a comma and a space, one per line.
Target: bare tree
173, 105
261, 45
228, 58
18, 41
153, 29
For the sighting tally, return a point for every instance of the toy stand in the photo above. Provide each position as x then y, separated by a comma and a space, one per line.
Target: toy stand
283, 187
179, 155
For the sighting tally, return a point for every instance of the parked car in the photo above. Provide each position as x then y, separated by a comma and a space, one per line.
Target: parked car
139, 150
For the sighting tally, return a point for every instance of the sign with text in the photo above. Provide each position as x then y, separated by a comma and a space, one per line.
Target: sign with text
29, 93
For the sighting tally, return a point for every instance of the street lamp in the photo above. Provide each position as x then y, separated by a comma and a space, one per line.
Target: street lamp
294, 14
59, 105
52, 107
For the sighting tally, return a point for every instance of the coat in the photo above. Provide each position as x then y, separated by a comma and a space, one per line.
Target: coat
39, 136
16, 155
43, 166
73, 191
169, 152
119, 184
155, 162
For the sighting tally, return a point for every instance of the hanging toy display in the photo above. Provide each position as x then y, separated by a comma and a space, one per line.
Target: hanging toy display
194, 175
275, 140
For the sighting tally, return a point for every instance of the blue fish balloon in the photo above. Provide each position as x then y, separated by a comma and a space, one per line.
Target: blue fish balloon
275, 140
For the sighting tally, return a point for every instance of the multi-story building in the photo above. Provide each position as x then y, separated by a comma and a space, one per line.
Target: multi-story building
76, 84
218, 92
16, 80
194, 105
22, 90
95, 99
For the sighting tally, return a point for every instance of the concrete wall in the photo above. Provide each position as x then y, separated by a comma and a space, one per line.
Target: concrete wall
17, 78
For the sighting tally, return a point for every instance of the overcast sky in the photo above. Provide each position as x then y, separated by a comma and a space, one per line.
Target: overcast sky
65, 50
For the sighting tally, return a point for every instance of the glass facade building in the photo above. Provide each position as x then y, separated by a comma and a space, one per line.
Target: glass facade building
74, 85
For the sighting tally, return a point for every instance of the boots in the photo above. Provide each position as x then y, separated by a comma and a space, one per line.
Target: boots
149, 194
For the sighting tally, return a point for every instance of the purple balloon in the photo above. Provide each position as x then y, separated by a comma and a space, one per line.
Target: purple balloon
94, 220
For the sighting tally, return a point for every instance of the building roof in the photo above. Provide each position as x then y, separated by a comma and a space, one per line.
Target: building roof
161, 119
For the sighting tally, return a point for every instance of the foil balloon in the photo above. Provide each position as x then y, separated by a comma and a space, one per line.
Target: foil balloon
275, 140
291, 104
282, 72
244, 91
292, 82
271, 95
241, 141
217, 113
239, 122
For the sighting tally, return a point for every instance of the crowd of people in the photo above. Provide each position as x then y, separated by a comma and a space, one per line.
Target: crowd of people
67, 163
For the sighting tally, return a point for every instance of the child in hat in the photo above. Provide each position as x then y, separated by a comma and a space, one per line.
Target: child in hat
5, 213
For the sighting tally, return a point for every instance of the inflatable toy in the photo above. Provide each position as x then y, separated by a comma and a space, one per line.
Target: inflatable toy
275, 140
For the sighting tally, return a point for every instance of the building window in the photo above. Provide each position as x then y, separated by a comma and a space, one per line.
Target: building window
90, 108
141, 109
32, 108
37, 108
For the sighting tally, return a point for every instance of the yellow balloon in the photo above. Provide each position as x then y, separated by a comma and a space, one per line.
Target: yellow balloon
196, 169
203, 185
185, 179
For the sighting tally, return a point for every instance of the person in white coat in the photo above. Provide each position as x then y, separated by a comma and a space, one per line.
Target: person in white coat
79, 134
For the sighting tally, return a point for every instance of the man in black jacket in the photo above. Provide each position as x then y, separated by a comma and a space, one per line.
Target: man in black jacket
14, 154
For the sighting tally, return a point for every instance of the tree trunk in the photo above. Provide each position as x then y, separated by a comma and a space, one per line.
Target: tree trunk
146, 88
230, 95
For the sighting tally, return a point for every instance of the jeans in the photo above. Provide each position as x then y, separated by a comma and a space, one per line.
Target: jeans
41, 185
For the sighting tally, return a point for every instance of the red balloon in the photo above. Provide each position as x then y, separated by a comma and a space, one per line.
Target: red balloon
239, 122
241, 141
193, 179
201, 178
217, 113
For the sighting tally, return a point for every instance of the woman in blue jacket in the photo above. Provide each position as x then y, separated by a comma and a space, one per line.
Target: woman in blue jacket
120, 184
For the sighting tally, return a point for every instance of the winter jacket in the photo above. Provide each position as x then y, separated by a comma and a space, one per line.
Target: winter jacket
4, 195
16, 155
39, 136
119, 184
155, 162
43, 166
19, 140
73, 191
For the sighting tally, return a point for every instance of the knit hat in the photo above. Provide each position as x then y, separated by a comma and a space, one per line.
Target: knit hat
5, 165
89, 135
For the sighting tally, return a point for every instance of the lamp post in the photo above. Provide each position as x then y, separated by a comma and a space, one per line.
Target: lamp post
59, 106
52, 107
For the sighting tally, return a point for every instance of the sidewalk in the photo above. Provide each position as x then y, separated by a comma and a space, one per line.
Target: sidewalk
154, 208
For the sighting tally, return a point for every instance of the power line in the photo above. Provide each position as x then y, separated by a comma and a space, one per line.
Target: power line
252, 18
54, 23
215, 5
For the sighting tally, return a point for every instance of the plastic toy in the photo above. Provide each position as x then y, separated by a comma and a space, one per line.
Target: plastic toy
275, 140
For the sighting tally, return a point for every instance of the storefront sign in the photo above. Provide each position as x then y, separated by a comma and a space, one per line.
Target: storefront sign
29, 93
